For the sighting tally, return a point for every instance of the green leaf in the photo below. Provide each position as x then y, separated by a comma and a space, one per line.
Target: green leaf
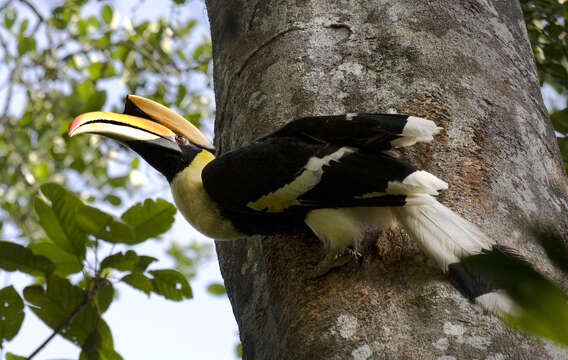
25, 119
118, 232
543, 306
103, 41
171, 284
95, 69
187, 28
65, 263
55, 305
10, 356
107, 14
23, 26
129, 261
50, 224
92, 220
104, 297
93, 21
86, 89
150, 219
120, 52
104, 226
25, 44
202, 52
139, 281
563, 145
118, 181
59, 219
92, 99
217, 289
113, 200
99, 345
15, 257
9, 17
120, 261
560, 120
194, 118
40, 171
143, 262
99, 70
181, 92
11, 313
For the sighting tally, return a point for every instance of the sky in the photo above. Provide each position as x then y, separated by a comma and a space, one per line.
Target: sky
149, 327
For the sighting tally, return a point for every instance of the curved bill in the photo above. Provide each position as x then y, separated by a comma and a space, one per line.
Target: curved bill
171, 120
119, 126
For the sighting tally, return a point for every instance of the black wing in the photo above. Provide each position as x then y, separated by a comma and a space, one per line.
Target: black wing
310, 163
373, 132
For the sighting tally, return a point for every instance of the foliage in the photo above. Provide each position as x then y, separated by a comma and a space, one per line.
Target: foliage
75, 309
545, 314
61, 59
72, 62
547, 25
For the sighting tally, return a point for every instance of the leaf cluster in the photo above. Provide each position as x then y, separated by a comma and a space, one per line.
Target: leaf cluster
66, 61
540, 306
72, 230
547, 26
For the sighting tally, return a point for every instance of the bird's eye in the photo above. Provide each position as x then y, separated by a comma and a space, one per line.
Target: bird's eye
180, 139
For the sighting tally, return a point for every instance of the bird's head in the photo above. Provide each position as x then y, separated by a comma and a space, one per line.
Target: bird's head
165, 139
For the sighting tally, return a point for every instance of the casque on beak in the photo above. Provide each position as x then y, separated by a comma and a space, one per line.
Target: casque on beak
161, 136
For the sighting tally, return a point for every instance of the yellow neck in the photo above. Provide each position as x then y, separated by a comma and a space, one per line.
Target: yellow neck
196, 205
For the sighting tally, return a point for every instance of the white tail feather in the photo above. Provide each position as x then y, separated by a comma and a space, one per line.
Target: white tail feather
443, 235
416, 130
499, 302
447, 238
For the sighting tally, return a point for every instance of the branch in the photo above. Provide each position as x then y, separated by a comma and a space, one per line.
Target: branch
8, 98
98, 283
41, 19
5, 5
34, 9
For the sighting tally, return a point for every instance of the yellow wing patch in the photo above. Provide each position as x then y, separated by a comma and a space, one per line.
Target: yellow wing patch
288, 195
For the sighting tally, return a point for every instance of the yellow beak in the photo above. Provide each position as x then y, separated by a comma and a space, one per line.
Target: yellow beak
158, 122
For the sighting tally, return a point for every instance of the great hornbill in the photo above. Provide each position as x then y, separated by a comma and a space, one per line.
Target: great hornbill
331, 175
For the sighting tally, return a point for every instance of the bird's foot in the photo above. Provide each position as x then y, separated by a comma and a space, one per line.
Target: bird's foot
332, 260
355, 255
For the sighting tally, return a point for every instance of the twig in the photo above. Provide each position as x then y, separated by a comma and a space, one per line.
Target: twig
98, 283
34, 9
42, 19
153, 62
8, 97
5, 5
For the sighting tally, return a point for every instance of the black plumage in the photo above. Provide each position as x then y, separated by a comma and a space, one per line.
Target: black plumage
328, 175
269, 163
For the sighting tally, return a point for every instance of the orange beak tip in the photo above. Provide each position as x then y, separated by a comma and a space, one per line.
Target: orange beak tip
74, 125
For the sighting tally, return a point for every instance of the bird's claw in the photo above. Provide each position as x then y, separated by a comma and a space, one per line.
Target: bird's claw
323, 267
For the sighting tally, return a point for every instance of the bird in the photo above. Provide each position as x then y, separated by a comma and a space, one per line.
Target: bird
333, 176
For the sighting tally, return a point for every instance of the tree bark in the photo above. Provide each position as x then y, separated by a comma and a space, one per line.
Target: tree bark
468, 66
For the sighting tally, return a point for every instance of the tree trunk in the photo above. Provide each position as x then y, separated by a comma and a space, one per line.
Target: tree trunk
468, 66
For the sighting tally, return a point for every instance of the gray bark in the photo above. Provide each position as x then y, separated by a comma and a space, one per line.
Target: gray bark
467, 65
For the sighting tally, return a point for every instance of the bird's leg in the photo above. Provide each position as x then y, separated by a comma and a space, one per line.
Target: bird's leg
339, 230
334, 258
